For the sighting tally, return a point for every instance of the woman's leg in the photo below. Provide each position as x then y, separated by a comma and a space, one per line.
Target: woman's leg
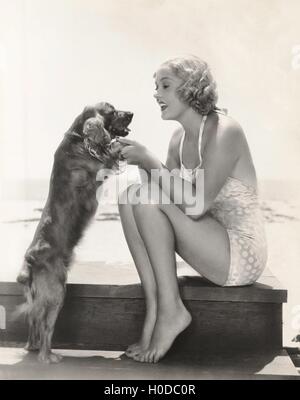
172, 316
164, 228
144, 268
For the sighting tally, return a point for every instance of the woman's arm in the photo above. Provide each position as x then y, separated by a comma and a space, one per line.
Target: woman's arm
172, 162
221, 155
170, 182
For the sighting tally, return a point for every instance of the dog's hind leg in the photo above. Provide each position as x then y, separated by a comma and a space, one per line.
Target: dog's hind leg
25, 274
33, 337
46, 332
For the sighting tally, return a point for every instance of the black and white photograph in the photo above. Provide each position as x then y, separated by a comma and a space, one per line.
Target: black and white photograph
149, 192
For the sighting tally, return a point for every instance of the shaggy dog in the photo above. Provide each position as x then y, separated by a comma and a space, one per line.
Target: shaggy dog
86, 150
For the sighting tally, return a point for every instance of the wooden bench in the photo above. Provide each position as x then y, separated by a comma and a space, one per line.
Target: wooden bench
104, 310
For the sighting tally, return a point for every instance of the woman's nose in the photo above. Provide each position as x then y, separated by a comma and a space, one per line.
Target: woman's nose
156, 96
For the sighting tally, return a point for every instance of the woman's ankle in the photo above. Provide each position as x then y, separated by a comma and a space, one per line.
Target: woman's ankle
171, 305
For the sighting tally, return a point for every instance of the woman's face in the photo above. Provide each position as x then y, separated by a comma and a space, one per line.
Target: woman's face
166, 83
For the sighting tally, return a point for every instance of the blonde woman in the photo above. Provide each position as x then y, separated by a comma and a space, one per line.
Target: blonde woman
224, 239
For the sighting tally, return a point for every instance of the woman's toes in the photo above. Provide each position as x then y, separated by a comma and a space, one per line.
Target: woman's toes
135, 352
157, 357
150, 356
131, 348
130, 355
141, 357
136, 357
146, 356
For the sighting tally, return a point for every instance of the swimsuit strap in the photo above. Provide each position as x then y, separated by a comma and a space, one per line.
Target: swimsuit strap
222, 110
200, 137
199, 143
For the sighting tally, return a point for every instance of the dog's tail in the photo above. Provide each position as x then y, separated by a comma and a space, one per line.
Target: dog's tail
25, 279
25, 308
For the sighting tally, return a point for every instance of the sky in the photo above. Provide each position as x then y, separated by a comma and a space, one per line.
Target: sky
56, 56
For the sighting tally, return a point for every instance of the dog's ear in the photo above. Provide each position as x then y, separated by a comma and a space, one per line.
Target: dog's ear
77, 125
107, 111
105, 108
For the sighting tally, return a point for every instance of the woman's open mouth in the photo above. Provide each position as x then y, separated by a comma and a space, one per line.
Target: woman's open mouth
163, 106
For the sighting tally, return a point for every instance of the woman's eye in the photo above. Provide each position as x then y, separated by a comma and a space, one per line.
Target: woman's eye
163, 86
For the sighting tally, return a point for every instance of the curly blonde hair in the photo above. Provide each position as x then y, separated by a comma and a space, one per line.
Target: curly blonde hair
199, 89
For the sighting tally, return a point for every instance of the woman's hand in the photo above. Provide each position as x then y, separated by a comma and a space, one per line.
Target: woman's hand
137, 154
133, 152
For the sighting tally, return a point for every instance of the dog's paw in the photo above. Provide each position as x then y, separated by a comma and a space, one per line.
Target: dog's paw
50, 358
24, 276
31, 347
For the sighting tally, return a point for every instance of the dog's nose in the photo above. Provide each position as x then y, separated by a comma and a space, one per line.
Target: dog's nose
129, 116
126, 115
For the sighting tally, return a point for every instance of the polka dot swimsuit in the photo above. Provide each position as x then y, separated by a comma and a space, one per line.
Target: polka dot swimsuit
237, 208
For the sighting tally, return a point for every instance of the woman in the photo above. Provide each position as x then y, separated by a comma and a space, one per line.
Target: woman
224, 239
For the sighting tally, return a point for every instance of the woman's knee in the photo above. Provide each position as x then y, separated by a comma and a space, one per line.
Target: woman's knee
127, 196
150, 193
142, 198
147, 203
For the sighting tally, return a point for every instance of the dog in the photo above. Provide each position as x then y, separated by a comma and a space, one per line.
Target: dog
88, 147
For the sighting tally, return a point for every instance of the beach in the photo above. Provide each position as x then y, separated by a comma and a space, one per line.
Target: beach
104, 241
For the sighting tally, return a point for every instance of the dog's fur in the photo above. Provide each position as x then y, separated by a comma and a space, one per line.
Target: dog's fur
70, 205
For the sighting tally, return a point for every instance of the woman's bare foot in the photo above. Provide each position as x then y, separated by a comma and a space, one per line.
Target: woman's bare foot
168, 326
144, 342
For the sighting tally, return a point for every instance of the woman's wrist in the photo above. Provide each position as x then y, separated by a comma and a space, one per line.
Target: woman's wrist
150, 162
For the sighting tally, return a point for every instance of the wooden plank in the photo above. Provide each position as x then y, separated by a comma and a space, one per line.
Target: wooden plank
111, 324
193, 288
110, 316
122, 285
105, 365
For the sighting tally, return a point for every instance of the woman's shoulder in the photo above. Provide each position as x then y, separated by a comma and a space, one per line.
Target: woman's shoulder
224, 134
228, 129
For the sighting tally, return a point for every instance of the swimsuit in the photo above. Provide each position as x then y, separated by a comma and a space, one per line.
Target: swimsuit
237, 208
